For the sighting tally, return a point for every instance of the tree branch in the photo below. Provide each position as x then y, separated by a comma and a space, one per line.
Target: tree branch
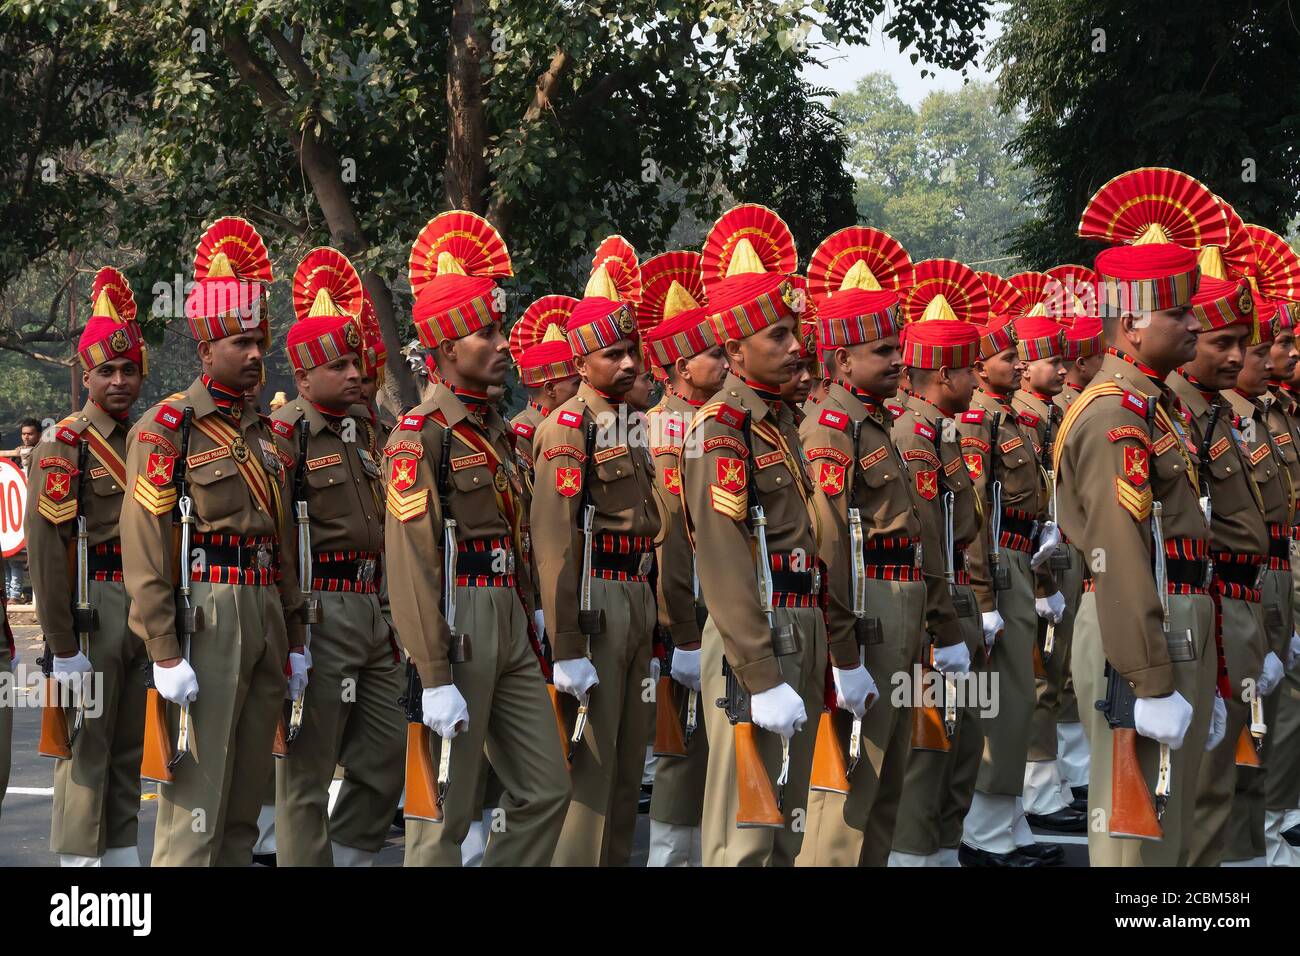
299, 229
290, 53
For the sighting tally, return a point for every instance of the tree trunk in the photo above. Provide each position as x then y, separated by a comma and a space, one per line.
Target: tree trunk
465, 171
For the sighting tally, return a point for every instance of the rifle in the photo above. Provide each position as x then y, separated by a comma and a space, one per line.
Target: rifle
591, 621
84, 617
757, 805
1059, 560
829, 771
963, 606
311, 605
701, 618
160, 759
421, 790
999, 573
669, 741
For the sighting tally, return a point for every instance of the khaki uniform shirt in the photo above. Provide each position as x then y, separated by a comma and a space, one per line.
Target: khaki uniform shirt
1109, 471
53, 485
717, 470
618, 476
668, 422
245, 497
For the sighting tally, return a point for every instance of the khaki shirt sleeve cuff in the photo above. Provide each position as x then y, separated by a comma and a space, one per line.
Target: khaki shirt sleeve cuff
434, 673
949, 634
569, 645
844, 652
163, 648
1155, 681
760, 675
684, 632
63, 643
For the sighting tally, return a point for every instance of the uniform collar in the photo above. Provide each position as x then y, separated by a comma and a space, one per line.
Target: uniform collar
454, 411
1035, 400
1077, 388
232, 404
874, 404
670, 391
316, 422
104, 423
1241, 404
735, 391
931, 413
1196, 400
539, 408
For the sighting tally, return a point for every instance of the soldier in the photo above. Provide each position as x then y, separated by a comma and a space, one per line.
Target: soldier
1083, 352
230, 681
451, 460
1269, 468
995, 833
351, 718
1282, 709
742, 451
595, 518
546, 368
1045, 802
97, 791
1112, 463
867, 500
938, 787
687, 346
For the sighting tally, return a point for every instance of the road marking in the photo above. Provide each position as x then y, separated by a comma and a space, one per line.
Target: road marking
30, 791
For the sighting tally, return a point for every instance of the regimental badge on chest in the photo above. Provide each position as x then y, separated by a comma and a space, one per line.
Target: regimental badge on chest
368, 463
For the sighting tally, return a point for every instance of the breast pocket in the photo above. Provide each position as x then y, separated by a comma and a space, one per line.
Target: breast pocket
1227, 474
218, 491
615, 490
105, 486
474, 503
884, 495
331, 494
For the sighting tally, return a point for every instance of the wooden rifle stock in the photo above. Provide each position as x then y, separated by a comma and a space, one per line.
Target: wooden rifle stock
54, 721
421, 777
559, 722
669, 739
1247, 755
1040, 669
157, 739
830, 771
756, 804
928, 732
1132, 810
280, 743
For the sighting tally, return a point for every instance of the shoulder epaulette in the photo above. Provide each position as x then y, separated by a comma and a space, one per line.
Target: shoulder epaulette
895, 410
523, 430
833, 419
283, 429
1028, 418
924, 430
569, 418
729, 416
168, 417
67, 435
411, 423
973, 417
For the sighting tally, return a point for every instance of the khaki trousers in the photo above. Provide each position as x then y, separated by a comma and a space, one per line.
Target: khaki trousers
607, 768
351, 718
207, 816
512, 725
1011, 665
722, 842
1054, 695
1218, 811
97, 792
1195, 681
679, 781
938, 786
857, 828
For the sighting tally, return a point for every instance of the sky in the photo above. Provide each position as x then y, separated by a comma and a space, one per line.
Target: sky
843, 67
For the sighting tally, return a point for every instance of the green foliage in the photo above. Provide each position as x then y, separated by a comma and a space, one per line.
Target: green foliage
937, 178
1108, 85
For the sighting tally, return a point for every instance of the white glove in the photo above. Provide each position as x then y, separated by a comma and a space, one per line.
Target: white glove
1047, 542
298, 664
445, 710
1218, 724
952, 660
993, 625
855, 690
1051, 607
539, 623
178, 684
778, 709
686, 668
1292, 652
1271, 675
656, 668
1164, 719
70, 672
576, 676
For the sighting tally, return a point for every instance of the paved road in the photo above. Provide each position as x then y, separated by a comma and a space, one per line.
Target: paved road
25, 818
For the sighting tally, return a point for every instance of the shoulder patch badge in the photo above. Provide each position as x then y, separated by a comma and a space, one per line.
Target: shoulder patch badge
731, 475
168, 417
973, 417
405, 447
162, 443
731, 417
726, 441
974, 465
925, 431
523, 430
673, 480
283, 429
573, 452
1137, 502
834, 454
921, 454
1128, 431
1134, 404
570, 419
830, 478
895, 410
974, 441
568, 481
1137, 465
401, 475
67, 436
411, 423
833, 419
927, 484
1028, 418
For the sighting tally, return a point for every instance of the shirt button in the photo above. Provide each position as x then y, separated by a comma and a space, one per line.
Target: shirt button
217, 473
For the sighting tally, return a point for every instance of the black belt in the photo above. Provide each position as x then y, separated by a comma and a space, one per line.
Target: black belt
244, 557
890, 556
1025, 527
480, 562
104, 563
796, 582
636, 564
1279, 548
361, 570
1189, 572
1243, 575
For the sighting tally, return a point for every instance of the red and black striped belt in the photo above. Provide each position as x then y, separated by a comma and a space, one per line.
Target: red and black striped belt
345, 571
485, 563
1187, 567
1239, 576
1019, 529
622, 557
794, 583
1279, 546
961, 578
236, 559
892, 559
104, 563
